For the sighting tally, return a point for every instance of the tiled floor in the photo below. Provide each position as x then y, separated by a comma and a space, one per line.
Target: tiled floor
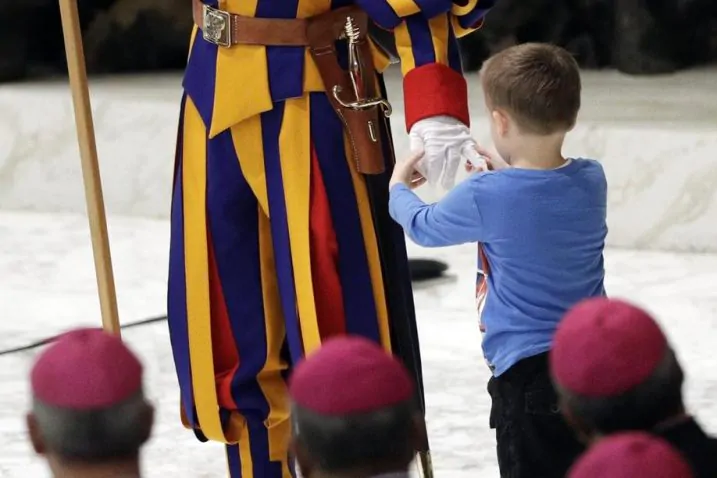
47, 285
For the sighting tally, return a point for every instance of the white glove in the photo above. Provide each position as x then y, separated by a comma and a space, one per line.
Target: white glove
446, 143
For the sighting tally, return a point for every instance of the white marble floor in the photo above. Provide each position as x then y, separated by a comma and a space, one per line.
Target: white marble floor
47, 285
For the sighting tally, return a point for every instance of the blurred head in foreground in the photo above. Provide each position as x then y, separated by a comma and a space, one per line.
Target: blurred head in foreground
631, 455
89, 415
614, 369
354, 413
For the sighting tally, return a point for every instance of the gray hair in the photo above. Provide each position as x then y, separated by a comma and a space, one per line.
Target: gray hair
355, 441
657, 398
114, 433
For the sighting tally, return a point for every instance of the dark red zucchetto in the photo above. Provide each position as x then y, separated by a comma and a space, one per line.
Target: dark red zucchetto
605, 347
86, 369
631, 455
349, 375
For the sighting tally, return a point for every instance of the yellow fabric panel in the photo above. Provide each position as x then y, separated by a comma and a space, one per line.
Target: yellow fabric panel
404, 47
243, 440
460, 10
286, 468
380, 60
270, 379
194, 162
239, 95
310, 8
247, 463
440, 29
459, 31
295, 152
192, 39
312, 78
249, 146
240, 7
404, 8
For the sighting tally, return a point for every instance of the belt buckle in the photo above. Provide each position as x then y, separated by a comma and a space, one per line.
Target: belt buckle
217, 26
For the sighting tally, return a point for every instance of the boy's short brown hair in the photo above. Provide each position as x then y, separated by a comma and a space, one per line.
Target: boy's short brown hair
537, 84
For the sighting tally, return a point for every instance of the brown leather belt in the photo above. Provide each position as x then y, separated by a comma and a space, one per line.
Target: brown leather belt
227, 29
353, 93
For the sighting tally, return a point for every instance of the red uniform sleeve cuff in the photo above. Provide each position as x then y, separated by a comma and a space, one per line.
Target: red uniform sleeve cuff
435, 90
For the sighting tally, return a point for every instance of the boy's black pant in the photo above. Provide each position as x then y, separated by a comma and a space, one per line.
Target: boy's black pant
533, 439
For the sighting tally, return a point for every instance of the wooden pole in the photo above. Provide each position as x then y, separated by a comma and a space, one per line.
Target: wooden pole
90, 166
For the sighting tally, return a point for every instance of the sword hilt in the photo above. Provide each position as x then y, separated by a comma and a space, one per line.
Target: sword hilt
351, 30
362, 104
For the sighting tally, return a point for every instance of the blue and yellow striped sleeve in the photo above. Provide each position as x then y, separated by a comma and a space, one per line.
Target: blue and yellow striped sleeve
426, 33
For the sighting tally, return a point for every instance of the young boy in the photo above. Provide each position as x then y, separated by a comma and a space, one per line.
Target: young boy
540, 224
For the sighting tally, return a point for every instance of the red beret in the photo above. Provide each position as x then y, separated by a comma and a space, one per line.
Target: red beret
605, 347
349, 375
631, 455
86, 369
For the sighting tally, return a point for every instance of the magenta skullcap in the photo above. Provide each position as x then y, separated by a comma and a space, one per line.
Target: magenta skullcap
631, 455
605, 347
349, 375
86, 369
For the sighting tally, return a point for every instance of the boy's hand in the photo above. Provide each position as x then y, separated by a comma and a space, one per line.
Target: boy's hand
404, 172
491, 163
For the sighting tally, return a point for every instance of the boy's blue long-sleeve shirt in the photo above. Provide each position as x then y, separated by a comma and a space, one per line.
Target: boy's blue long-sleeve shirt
543, 233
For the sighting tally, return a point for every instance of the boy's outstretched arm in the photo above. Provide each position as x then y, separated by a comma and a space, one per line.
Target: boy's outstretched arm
453, 220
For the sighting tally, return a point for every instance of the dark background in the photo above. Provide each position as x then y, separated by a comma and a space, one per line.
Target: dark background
633, 36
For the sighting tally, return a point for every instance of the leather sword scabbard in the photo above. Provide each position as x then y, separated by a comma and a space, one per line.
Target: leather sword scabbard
362, 125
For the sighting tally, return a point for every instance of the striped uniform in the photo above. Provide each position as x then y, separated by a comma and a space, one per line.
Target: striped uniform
273, 247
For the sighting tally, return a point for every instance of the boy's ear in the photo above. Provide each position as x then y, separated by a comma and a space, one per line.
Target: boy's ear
501, 122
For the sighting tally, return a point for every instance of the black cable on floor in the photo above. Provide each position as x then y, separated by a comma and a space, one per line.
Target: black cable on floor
40, 343
421, 270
